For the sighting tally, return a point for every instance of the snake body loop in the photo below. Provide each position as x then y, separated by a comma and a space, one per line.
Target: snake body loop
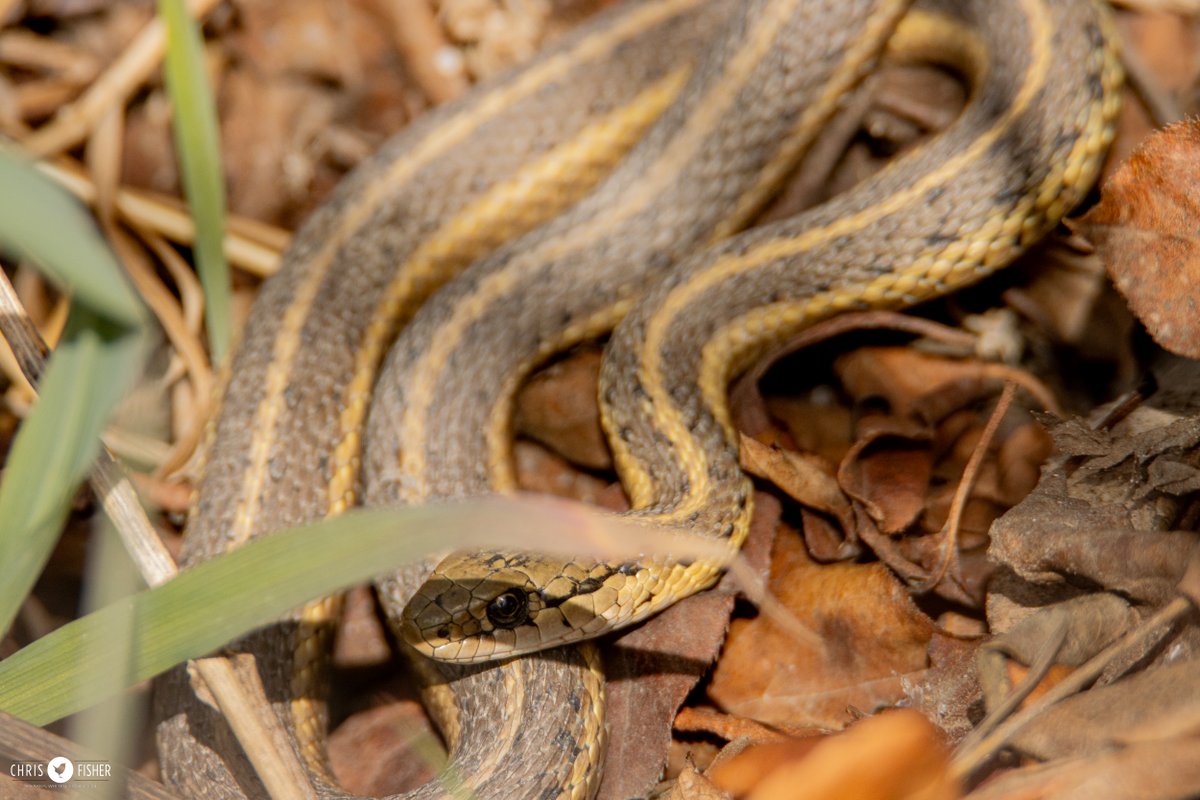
627, 154
1025, 150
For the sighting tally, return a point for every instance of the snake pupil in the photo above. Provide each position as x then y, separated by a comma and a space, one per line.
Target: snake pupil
508, 610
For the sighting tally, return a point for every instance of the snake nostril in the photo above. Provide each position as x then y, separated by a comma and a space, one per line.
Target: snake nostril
443, 632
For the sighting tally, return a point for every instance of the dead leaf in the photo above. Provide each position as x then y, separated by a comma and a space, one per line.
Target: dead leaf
372, 752
539, 470
726, 726
652, 668
806, 478
691, 785
888, 471
558, 408
893, 756
1145, 227
1165, 699
1158, 771
1073, 631
915, 385
948, 693
872, 634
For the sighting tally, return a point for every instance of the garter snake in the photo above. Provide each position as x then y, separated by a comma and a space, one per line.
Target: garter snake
646, 138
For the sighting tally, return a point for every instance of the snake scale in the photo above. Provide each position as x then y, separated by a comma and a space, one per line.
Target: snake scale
534, 214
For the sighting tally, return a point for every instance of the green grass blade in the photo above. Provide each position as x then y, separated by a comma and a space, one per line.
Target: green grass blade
211, 604
55, 446
85, 377
42, 224
198, 146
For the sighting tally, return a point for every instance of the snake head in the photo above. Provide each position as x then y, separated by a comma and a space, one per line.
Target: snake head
487, 605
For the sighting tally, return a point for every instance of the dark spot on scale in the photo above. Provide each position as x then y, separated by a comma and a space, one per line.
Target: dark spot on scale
589, 585
934, 194
695, 515
773, 297
549, 793
638, 390
565, 319
938, 239
1008, 197
625, 434
1064, 138
1095, 86
727, 531
628, 569
574, 702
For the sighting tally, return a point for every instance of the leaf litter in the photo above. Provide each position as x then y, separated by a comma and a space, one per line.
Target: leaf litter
940, 615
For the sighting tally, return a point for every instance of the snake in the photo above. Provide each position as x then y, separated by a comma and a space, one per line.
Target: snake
602, 187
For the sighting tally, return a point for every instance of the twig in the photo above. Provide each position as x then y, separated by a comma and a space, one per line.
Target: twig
250, 245
1037, 671
246, 708
419, 39
136, 63
20, 741
950, 530
967, 761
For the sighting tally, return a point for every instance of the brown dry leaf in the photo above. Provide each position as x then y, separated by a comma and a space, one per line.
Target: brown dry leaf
376, 752
1019, 462
652, 668
726, 726
1075, 630
691, 785
915, 385
948, 693
303, 37
871, 634
268, 126
1145, 227
1157, 771
1157, 704
817, 426
888, 471
1104, 523
896, 755
360, 641
539, 470
558, 408
805, 477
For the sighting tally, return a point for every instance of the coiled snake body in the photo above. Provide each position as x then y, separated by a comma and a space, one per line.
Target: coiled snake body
631, 151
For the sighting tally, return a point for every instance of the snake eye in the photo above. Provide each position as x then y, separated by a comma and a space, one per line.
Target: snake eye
508, 610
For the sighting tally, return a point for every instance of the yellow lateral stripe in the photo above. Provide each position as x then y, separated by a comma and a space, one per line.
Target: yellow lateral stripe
510, 208
287, 340
688, 451
857, 56
495, 287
